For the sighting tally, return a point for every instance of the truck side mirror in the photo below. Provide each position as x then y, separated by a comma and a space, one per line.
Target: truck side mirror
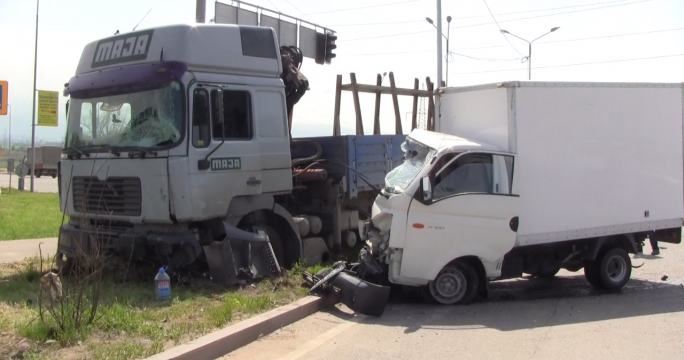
426, 188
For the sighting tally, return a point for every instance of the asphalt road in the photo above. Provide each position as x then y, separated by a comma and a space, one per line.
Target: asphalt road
559, 319
42, 184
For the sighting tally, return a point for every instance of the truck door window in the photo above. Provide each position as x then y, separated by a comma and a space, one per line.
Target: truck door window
201, 132
237, 114
470, 173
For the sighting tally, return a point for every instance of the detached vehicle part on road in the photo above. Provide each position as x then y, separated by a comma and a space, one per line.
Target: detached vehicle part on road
530, 178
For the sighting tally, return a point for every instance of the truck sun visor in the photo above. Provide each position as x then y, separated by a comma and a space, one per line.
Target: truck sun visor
122, 78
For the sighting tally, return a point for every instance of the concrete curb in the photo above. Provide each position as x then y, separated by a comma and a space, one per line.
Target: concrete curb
222, 342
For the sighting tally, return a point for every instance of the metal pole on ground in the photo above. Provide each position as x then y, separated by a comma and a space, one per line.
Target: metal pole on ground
33, 124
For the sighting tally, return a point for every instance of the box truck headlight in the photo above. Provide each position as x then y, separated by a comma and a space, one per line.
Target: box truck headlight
382, 221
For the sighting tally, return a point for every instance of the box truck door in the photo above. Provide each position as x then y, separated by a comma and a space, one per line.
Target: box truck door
465, 207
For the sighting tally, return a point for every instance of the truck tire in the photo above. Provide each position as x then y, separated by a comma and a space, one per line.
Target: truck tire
456, 284
615, 268
591, 272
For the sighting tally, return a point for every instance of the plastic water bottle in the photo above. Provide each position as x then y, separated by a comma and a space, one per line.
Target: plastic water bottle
162, 283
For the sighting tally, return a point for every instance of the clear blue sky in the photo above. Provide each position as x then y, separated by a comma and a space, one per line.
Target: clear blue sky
374, 36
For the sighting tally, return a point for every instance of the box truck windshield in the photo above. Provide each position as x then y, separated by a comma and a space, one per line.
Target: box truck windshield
417, 155
137, 118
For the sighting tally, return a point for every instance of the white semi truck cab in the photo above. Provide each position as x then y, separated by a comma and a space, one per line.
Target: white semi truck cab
178, 145
530, 178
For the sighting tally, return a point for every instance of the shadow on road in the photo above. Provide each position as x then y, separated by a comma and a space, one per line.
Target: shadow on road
533, 303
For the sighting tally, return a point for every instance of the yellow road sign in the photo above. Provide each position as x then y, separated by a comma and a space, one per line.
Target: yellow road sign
3, 97
47, 108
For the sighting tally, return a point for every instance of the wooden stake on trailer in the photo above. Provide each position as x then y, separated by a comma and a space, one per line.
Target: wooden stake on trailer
376, 119
357, 104
338, 98
397, 114
378, 90
430, 123
414, 115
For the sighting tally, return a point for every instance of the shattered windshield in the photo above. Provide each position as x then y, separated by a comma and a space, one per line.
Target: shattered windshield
146, 118
416, 156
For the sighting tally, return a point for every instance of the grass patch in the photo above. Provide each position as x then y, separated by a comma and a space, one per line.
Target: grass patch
131, 323
26, 215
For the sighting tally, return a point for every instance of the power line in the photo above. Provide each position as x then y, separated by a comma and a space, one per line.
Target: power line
576, 64
296, 8
484, 59
538, 10
422, 51
502, 34
479, 16
489, 23
363, 7
611, 36
498, 46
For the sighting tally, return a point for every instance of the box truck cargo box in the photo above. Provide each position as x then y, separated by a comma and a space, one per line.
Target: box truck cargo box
592, 158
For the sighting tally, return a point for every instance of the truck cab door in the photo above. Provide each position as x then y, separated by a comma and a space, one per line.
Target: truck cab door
224, 156
464, 207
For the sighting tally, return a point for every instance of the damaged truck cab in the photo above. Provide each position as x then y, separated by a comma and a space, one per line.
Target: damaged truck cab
530, 178
175, 134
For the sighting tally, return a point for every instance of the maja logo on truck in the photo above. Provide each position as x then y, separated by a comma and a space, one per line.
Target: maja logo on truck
123, 48
233, 163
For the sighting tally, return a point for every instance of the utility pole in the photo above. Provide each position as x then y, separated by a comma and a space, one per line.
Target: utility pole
439, 64
33, 125
200, 11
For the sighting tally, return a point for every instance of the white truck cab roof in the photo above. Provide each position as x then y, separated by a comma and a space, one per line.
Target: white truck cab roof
247, 50
447, 143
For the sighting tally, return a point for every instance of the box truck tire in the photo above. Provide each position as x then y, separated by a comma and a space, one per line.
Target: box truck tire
456, 284
611, 270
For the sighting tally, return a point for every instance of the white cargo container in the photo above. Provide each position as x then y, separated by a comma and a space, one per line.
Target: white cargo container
532, 177
47, 158
592, 158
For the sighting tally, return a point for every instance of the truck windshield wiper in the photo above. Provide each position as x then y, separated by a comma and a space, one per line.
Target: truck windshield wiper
133, 151
73, 150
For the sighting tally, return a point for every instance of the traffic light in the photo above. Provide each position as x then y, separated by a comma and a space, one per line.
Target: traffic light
329, 47
325, 44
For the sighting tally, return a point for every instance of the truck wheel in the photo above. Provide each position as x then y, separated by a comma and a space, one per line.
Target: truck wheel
456, 284
54, 176
38, 173
591, 272
615, 268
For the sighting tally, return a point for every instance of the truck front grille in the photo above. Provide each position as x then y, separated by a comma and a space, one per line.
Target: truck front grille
114, 196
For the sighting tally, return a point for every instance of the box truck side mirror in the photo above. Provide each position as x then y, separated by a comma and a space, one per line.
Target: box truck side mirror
427, 188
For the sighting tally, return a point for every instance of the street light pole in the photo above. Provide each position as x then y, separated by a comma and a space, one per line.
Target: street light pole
446, 76
33, 125
529, 49
9, 146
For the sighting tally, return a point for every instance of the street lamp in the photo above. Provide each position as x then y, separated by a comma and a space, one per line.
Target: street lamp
529, 49
446, 80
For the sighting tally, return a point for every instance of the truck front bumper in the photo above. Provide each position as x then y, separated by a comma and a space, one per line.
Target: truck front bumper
131, 244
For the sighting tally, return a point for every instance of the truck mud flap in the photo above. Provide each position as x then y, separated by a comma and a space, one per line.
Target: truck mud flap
361, 296
241, 256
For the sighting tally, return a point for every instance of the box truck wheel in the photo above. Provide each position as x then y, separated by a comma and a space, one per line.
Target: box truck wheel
456, 283
615, 268
591, 272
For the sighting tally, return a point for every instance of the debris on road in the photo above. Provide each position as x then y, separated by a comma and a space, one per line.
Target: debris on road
342, 280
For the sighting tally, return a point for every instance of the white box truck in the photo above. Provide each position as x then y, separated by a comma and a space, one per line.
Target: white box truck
529, 178
47, 158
